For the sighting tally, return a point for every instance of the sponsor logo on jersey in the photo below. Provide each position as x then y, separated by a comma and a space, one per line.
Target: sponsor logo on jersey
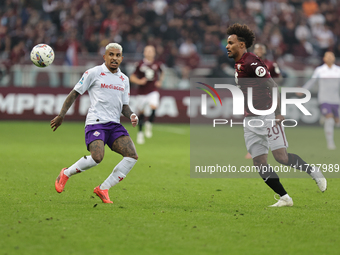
102, 74
253, 64
260, 71
238, 66
111, 86
122, 78
82, 80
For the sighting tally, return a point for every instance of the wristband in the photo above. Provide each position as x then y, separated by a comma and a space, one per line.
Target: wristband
136, 117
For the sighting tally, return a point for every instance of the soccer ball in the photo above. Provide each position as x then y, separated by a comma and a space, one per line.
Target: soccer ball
42, 55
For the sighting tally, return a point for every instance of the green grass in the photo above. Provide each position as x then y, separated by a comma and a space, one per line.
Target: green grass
158, 208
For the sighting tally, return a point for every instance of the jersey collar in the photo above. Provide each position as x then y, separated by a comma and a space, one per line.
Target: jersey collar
106, 70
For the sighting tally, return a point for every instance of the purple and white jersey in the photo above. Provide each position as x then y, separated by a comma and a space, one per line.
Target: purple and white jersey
329, 82
108, 93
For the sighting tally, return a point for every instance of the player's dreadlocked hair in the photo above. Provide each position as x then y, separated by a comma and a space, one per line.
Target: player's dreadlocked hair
243, 33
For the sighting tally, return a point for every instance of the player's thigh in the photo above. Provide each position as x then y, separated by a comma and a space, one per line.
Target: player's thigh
153, 100
256, 141
125, 147
141, 103
276, 137
97, 150
335, 111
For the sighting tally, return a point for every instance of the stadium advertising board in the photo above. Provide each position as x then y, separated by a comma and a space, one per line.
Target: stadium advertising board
176, 106
45, 103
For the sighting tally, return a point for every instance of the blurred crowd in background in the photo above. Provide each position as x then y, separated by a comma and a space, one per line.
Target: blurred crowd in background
180, 30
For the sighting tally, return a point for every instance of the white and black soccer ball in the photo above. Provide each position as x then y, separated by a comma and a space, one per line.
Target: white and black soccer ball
42, 55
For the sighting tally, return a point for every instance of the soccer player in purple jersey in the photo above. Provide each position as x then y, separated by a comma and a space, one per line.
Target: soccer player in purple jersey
328, 78
251, 71
109, 92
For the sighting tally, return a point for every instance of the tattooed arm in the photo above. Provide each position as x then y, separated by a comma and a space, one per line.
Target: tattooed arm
126, 111
56, 122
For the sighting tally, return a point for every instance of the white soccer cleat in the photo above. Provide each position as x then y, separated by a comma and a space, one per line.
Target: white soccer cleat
140, 138
148, 129
331, 146
285, 200
319, 179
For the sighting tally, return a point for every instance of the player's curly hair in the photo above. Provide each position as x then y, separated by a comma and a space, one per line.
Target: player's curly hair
243, 33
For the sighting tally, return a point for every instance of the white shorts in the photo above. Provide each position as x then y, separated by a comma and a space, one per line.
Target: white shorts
151, 99
260, 139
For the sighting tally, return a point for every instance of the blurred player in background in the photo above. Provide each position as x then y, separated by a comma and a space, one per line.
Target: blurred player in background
328, 78
260, 50
251, 71
109, 91
148, 76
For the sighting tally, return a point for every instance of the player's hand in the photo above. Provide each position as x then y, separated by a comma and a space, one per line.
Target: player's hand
158, 84
134, 119
143, 81
56, 122
279, 118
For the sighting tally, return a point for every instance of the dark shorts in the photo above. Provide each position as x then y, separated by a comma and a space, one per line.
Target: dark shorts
330, 108
107, 132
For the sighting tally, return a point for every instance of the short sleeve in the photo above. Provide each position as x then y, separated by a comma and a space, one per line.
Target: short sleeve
258, 69
85, 82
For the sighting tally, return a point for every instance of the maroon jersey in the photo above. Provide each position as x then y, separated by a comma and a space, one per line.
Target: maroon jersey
248, 73
151, 71
273, 68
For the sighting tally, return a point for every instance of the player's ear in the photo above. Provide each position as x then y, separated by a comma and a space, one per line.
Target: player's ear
243, 45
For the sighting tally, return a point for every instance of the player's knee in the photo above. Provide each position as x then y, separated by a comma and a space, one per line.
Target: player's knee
98, 158
281, 158
135, 156
259, 161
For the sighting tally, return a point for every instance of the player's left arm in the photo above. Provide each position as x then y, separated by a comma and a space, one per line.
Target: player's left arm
126, 111
270, 83
277, 77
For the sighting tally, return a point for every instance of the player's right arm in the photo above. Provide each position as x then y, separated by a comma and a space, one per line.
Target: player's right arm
83, 84
309, 84
58, 120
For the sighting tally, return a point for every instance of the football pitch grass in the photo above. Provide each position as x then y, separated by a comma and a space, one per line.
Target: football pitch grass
158, 208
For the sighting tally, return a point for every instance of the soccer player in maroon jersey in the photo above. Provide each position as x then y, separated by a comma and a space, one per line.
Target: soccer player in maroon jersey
251, 71
274, 70
148, 76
